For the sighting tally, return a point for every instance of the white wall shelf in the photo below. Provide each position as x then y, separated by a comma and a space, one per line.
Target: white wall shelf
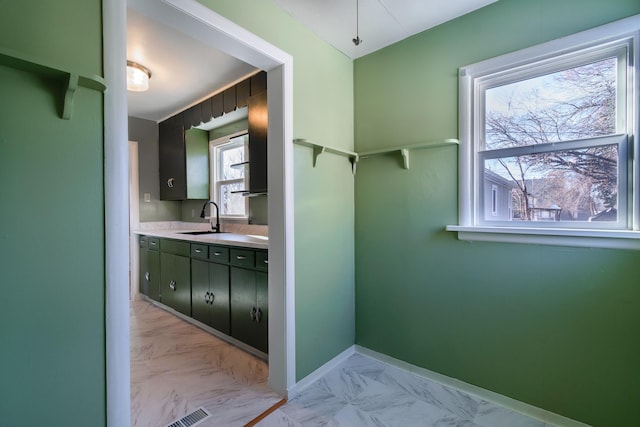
405, 149
71, 80
354, 157
321, 149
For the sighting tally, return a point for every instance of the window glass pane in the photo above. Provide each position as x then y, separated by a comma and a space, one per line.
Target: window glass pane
570, 185
228, 157
567, 105
230, 203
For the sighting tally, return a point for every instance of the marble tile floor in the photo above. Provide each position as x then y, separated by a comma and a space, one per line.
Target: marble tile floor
177, 368
364, 392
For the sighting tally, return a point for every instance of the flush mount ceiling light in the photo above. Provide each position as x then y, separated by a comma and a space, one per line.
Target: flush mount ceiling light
357, 40
137, 77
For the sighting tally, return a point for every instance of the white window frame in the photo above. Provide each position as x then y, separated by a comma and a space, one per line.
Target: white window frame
214, 149
569, 50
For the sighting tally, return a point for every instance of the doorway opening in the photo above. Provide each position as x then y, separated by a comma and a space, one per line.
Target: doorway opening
202, 23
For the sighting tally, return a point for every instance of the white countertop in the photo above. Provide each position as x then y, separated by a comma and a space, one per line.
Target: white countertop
229, 239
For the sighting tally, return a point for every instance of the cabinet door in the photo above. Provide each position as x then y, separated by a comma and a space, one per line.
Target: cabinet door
175, 286
153, 258
219, 300
200, 294
172, 158
262, 303
243, 305
144, 271
258, 121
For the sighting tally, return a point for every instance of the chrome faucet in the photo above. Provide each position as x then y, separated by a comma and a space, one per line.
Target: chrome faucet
216, 229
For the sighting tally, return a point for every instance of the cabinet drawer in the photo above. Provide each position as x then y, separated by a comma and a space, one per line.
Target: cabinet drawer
154, 243
262, 260
243, 258
143, 241
219, 254
176, 247
199, 251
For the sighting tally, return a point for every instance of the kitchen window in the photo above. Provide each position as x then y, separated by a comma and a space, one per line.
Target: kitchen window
230, 174
547, 132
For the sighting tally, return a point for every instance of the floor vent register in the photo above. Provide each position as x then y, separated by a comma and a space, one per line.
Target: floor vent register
192, 419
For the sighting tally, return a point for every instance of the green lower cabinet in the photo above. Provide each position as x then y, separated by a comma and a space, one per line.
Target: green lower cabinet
149, 270
249, 312
144, 269
175, 282
262, 302
210, 294
153, 286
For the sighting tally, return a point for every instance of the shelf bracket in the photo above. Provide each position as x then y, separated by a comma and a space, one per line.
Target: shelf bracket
317, 150
354, 163
69, 94
321, 149
405, 157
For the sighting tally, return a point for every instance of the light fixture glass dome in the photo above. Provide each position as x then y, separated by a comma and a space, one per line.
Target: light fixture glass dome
137, 77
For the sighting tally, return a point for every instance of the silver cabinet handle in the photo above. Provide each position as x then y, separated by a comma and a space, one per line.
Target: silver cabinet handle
170, 182
217, 253
266, 261
153, 243
258, 315
240, 257
252, 314
198, 251
146, 276
172, 285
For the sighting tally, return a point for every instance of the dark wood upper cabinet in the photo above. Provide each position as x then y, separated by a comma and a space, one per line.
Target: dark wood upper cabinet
217, 105
193, 116
258, 83
229, 99
258, 123
177, 155
206, 111
184, 159
172, 156
243, 91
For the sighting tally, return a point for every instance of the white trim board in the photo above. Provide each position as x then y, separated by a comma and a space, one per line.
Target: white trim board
490, 396
323, 370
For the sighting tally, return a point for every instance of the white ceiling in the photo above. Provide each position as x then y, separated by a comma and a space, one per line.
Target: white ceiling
185, 71
381, 22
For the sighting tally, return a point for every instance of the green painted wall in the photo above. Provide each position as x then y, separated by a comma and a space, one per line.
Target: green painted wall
52, 339
196, 143
324, 203
556, 327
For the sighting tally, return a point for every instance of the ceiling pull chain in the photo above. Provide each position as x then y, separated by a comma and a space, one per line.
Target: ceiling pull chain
357, 40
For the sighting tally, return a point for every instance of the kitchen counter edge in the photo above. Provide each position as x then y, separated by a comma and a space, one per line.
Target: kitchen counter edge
228, 239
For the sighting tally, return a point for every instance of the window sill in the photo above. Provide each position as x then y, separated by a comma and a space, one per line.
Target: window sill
613, 239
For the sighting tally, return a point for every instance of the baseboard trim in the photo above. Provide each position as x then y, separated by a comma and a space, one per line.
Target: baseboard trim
490, 396
320, 372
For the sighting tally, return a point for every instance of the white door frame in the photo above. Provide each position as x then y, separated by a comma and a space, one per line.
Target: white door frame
134, 222
202, 23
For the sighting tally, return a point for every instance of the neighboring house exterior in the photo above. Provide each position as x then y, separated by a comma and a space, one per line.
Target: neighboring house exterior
497, 197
